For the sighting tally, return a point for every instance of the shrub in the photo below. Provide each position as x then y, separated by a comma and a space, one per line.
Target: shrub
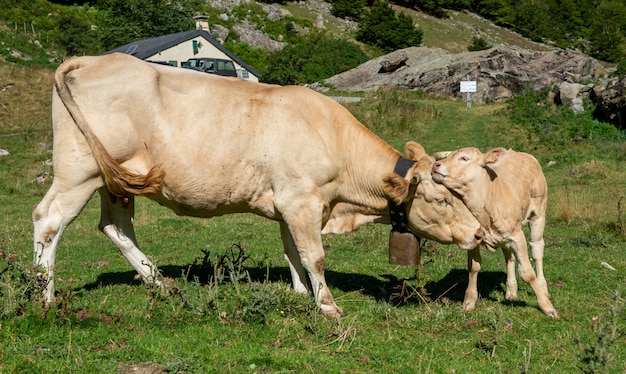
556, 128
620, 70
478, 44
19, 288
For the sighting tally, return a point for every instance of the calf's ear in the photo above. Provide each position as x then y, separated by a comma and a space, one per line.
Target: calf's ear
414, 151
493, 155
396, 188
441, 155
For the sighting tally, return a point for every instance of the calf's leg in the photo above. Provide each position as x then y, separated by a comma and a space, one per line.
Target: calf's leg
511, 280
473, 267
528, 275
537, 225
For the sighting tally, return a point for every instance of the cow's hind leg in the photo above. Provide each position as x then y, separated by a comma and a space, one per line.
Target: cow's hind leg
116, 222
53, 214
298, 272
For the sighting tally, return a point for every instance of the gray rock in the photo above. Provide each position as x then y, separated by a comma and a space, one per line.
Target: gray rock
576, 105
568, 92
220, 33
256, 38
500, 72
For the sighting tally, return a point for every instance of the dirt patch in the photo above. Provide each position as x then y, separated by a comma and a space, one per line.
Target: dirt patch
141, 369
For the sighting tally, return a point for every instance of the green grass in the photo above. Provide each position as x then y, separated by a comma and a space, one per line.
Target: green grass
226, 316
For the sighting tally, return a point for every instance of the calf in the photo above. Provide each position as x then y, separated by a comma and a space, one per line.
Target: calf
503, 189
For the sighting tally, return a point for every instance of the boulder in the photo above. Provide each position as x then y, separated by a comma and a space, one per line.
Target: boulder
568, 92
393, 62
220, 33
500, 73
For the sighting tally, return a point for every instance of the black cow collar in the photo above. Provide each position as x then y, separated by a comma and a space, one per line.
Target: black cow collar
397, 213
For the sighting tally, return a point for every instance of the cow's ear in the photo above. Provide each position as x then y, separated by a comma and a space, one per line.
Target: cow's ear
396, 188
422, 168
493, 155
414, 151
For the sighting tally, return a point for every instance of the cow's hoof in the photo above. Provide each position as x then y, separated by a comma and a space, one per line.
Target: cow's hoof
468, 306
332, 311
552, 313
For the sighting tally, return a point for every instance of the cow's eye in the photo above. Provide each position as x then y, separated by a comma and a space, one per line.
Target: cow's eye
463, 158
442, 201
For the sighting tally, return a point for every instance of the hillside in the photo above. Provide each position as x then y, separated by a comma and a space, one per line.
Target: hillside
24, 38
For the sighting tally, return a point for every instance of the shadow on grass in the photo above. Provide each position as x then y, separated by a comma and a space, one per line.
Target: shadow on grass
386, 287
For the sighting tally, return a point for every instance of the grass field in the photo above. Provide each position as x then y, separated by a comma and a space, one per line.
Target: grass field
227, 307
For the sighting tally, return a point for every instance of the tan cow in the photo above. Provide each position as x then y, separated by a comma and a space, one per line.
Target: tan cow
205, 146
504, 189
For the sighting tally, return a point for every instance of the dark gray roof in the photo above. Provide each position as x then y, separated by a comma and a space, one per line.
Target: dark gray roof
145, 48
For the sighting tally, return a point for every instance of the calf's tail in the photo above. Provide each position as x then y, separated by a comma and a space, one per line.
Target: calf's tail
119, 180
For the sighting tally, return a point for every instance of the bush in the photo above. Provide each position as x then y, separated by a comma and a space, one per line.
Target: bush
556, 129
478, 44
19, 287
620, 70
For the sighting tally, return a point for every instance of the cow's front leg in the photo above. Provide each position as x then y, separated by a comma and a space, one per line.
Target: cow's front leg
298, 273
473, 267
116, 222
303, 218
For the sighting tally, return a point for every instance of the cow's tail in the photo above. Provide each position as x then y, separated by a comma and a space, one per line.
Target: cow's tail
118, 179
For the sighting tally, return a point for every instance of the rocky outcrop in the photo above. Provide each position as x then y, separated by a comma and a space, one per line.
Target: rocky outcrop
252, 36
500, 73
609, 96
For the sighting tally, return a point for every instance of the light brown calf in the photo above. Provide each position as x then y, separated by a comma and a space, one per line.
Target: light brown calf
503, 189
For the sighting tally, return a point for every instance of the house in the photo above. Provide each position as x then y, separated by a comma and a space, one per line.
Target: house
174, 49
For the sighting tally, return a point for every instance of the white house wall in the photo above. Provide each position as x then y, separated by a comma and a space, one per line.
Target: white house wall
184, 51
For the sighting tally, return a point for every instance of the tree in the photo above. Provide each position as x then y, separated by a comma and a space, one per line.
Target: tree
566, 23
605, 34
350, 9
124, 21
478, 44
312, 59
75, 35
387, 30
530, 18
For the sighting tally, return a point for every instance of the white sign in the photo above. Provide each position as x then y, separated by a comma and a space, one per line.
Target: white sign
468, 86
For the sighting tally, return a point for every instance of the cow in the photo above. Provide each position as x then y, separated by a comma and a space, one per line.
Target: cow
204, 146
504, 189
